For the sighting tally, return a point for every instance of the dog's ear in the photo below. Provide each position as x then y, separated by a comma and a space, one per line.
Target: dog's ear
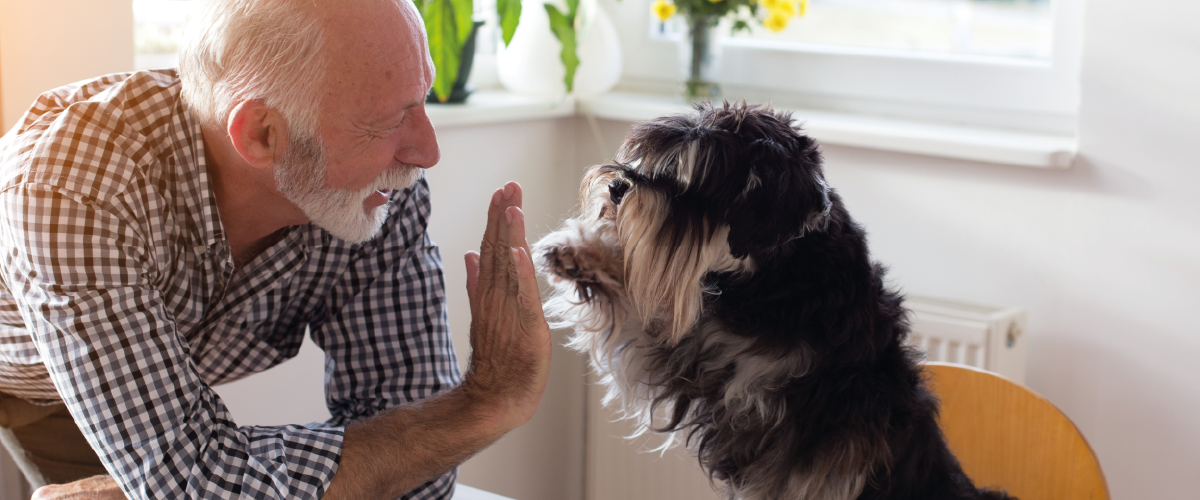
785, 195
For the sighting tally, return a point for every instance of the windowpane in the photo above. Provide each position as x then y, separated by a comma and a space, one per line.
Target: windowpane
157, 27
1004, 28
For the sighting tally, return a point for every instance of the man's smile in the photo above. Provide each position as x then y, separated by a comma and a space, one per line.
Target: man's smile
377, 198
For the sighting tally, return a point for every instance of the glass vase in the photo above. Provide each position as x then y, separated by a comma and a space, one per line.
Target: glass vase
700, 59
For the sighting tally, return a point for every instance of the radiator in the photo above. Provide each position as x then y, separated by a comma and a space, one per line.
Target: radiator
985, 337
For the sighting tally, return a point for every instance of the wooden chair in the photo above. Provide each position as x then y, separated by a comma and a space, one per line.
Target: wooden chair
1006, 436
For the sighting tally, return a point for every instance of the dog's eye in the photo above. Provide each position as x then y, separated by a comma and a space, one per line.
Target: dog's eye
617, 189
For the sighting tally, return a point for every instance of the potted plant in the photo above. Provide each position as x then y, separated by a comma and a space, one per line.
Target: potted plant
699, 54
451, 29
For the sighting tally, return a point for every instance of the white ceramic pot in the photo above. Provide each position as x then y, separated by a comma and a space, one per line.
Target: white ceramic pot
530, 64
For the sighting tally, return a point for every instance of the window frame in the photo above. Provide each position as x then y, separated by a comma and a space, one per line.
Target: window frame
980, 91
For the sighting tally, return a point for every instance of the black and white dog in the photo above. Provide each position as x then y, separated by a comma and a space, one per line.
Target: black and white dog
714, 278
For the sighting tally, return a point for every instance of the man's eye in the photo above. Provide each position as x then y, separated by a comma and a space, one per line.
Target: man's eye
381, 133
388, 128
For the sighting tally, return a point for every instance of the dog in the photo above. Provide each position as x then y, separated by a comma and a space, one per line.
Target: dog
717, 281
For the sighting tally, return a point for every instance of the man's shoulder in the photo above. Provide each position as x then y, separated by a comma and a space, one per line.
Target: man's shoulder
93, 136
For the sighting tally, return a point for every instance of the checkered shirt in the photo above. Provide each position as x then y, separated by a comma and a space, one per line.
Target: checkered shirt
119, 296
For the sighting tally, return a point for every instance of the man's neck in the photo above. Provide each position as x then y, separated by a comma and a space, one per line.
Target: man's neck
252, 210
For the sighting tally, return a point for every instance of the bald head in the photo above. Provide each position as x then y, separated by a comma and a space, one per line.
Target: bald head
369, 27
376, 51
292, 55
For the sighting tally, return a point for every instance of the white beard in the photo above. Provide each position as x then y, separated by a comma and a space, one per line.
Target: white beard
300, 176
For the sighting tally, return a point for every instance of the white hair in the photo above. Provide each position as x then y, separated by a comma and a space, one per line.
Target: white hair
269, 50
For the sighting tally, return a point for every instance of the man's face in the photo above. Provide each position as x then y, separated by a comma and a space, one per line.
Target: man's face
374, 133
349, 214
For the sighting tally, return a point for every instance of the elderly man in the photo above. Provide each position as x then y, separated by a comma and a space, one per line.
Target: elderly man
163, 233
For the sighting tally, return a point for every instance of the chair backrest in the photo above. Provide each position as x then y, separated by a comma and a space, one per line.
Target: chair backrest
1008, 437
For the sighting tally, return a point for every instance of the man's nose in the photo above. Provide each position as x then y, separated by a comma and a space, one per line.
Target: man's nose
421, 147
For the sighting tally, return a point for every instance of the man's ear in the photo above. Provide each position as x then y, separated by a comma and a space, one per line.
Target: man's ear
257, 132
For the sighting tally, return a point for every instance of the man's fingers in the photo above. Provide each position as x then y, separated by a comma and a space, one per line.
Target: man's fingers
529, 298
494, 258
514, 282
518, 195
516, 234
491, 238
501, 258
101, 487
516, 227
472, 261
517, 203
515, 219
45, 492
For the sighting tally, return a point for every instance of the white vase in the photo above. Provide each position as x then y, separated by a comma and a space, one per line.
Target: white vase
531, 62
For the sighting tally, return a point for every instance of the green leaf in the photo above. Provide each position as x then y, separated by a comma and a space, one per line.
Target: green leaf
740, 25
510, 14
445, 47
564, 29
464, 13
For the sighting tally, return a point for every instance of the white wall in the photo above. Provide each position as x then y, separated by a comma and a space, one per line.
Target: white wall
49, 43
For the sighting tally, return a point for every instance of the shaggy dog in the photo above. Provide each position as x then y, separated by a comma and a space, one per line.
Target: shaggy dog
718, 282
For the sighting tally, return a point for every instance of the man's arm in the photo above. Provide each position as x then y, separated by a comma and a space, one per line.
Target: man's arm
391, 453
399, 449
116, 355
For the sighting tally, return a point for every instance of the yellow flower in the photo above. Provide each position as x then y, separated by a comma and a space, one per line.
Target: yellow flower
663, 9
803, 8
772, 4
785, 7
716, 1
775, 21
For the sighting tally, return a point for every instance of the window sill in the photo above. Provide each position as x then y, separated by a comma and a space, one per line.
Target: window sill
498, 106
1000, 146
1007, 147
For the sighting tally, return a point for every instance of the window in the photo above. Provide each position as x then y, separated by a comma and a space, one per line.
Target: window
1018, 29
1010, 64
157, 27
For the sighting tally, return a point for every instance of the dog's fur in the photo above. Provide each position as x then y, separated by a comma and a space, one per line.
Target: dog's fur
714, 278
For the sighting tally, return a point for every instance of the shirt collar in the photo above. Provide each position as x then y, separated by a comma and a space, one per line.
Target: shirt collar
199, 200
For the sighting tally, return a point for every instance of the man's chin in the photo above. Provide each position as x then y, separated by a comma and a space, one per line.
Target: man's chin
360, 229
355, 217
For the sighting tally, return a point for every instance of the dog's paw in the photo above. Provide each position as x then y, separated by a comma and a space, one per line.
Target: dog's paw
568, 263
577, 255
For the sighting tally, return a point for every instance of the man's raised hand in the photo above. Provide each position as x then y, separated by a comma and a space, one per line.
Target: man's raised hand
510, 340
